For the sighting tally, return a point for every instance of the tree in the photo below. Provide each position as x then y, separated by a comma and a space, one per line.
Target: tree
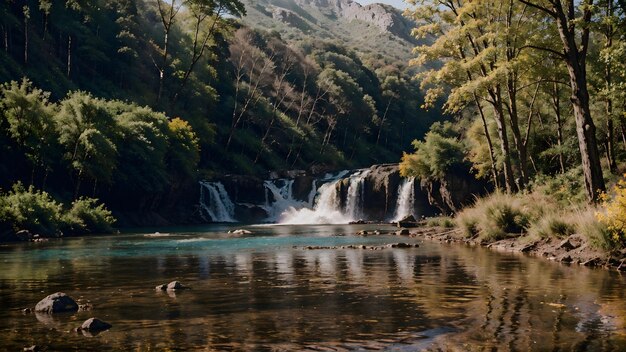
86, 131
574, 26
29, 115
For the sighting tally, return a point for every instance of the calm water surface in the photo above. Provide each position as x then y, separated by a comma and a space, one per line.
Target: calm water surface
259, 293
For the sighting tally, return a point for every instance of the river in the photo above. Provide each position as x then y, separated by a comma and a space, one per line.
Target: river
264, 292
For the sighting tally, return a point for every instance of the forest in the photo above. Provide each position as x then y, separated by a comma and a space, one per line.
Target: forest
138, 100
538, 93
106, 99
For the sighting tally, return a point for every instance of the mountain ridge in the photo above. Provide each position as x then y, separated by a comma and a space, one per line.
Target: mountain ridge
365, 27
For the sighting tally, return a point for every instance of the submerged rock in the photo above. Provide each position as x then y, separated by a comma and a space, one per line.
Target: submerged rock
56, 303
404, 245
94, 325
172, 286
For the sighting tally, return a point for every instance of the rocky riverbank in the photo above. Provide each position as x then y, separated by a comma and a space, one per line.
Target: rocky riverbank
572, 250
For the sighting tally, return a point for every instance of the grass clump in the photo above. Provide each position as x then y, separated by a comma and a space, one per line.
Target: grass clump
596, 231
500, 215
441, 221
552, 224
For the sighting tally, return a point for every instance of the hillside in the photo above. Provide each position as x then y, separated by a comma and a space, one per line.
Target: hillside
207, 88
375, 29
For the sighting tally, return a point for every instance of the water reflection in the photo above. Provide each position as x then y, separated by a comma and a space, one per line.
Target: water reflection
277, 297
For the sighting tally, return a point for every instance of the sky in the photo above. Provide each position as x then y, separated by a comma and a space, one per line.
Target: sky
397, 3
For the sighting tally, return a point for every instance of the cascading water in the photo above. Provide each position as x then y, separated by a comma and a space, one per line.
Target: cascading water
356, 190
406, 199
327, 208
215, 202
333, 199
283, 198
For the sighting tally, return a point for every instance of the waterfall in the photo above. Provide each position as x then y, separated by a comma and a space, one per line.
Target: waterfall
337, 198
282, 191
356, 194
405, 204
215, 202
327, 208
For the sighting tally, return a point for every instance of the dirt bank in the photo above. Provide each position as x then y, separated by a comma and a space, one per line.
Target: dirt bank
573, 250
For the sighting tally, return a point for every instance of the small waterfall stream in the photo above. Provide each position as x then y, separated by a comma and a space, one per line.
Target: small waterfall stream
356, 190
215, 202
406, 199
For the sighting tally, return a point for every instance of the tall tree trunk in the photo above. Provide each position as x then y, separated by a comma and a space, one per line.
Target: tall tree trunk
575, 56
504, 141
494, 167
610, 138
575, 61
517, 135
69, 55
556, 105
26, 18
382, 121
5, 36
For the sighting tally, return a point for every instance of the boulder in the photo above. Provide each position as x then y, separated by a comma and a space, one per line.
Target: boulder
95, 325
24, 235
403, 232
404, 245
56, 303
175, 285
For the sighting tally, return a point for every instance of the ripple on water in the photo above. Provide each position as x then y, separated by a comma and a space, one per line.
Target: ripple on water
259, 293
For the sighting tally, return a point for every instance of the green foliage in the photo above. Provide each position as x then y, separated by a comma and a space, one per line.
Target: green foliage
87, 216
439, 154
184, 152
567, 189
86, 131
32, 210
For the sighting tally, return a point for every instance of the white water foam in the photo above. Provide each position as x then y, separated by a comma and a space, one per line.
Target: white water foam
405, 204
327, 208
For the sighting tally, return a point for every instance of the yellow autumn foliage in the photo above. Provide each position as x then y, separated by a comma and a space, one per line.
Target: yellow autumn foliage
613, 213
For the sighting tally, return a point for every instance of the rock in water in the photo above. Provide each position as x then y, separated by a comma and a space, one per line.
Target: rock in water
95, 325
240, 232
172, 286
175, 285
56, 303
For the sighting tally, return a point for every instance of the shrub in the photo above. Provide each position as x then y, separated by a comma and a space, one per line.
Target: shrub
494, 217
613, 214
551, 224
597, 232
28, 209
86, 216
442, 221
